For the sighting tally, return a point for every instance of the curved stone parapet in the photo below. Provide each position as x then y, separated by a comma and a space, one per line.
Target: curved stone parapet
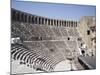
17, 15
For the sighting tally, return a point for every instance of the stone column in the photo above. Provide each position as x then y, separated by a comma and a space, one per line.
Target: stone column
31, 18
50, 21
53, 23
47, 22
66, 23
41, 21
69, 24
76, 23
44, 21
27, 18
58, 22
73, 23
23, 17
37, 20
61, 23
15, 16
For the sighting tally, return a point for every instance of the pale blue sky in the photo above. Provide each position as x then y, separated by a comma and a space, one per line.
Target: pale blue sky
54, 10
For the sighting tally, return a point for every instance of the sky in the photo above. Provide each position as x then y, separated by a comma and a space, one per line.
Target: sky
55, 10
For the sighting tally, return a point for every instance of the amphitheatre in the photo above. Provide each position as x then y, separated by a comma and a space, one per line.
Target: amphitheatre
41, 44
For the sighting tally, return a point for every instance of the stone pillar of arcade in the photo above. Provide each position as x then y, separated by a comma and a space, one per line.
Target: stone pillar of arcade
37, 20
58, 22
50, 21
53, 22
43, 21
40, 20
46, 21
69, 23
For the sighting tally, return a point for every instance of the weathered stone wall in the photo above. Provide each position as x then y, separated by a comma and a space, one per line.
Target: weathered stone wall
87, 30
